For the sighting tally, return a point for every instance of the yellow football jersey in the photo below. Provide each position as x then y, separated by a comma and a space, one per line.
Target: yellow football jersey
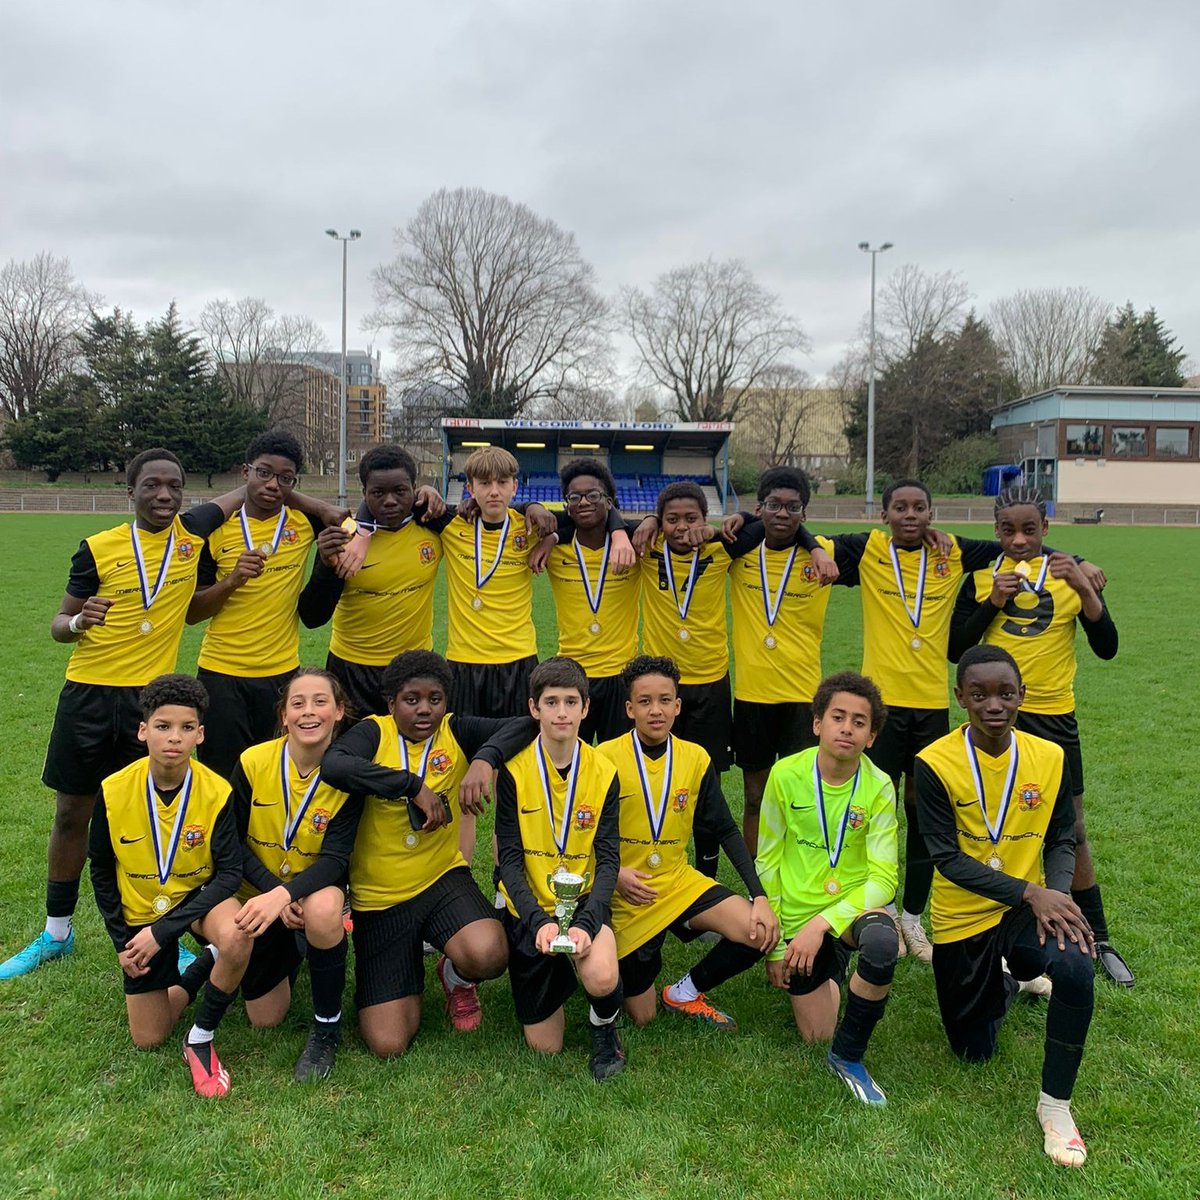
257, 631
668, 803
287, 827
699, 641
958, 913
135, 643
907, 661
1038, 629
182, 831
604, 640
388, 606
492, 623
392, 862
580, 812
781, 661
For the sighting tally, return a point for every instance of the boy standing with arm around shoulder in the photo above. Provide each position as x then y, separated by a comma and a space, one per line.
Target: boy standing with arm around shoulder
827, 860
557, 812
166, 858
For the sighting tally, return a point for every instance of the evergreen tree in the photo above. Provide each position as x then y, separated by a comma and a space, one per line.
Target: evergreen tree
62, 433
1137, 351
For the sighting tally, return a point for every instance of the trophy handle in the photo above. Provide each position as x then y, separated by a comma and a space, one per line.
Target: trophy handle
587, 878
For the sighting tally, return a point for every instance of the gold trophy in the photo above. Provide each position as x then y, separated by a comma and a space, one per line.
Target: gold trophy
567, 888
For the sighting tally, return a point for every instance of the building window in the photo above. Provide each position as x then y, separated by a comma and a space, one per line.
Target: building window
1172, 443
1129, 441
1085, 439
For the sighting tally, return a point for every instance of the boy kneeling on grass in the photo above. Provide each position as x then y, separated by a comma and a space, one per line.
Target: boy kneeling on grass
166, 858
557, 811
827, 860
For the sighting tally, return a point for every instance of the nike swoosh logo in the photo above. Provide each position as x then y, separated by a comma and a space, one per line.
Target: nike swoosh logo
264, 803
531, 810
129, 841
965, 803
366, 567
802, 807
124, 564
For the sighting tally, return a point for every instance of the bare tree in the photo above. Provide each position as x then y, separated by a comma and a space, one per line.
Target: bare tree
913, 304
579, 404
775, 416
1048, 336
487, 298
43, 308
706, 332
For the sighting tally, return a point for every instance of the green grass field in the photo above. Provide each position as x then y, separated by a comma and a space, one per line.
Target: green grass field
697, 1113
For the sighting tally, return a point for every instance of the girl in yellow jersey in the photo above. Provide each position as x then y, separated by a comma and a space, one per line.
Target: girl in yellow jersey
296, 840
1029, 601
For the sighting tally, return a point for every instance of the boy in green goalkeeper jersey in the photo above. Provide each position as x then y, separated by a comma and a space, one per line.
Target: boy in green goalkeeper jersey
827, 861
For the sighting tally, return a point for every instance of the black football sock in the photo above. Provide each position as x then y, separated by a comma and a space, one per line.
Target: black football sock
62, 895
1092, 907
208, 1017
858, 1023
197, 973
605, 1008
1066, 1031
327, 970
918, 866
725, 960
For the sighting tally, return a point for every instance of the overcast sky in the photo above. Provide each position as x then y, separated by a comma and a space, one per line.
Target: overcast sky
196, 151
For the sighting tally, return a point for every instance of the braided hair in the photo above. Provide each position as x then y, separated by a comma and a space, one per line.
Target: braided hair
1010, 497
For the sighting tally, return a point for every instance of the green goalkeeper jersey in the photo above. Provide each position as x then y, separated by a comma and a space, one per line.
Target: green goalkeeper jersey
806, 823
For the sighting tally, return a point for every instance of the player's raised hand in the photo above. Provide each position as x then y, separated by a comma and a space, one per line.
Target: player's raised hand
539, 556
541, 519
1005, 586
621, 554
330, 541
731, 526
475, 791
93, 611
825, 566
431, 500
942, 544
249, 566
468, 507
632, 889
645, 534
1093, 574
352, 556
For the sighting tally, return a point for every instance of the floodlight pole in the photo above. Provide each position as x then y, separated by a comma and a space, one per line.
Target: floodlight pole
870, 499
352, 236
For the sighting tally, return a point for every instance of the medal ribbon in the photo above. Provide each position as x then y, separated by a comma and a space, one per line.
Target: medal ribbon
148, 596
481, 580
164, 865
994, 831
687, 587
655, 817
594, 598
833, 853
374, 526
292, 824
283, 516
1035, 587
562, 830
420, 771
914, 613
771, 603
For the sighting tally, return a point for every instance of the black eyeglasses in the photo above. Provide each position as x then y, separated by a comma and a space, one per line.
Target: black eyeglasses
286, 478
595, 496
774, 506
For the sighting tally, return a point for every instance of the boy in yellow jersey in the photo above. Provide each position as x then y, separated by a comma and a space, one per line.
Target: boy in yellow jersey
995, 809
1028, 601
778, 604
296, 841
409, 882
595, 594
123, 612
386, 605
251, 573
165, 860
827, 859
667, 785
557, 812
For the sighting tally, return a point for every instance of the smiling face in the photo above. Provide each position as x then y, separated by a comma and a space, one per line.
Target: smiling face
311, 712
991, 693
652, 706
678, 518
389, 495
587, 502
171, 733
157, 494
1020, 529
908, 514
418, 708
844, 728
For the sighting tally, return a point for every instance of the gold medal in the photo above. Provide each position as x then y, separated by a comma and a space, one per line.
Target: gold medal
285, 867
161, 904
146, 627
476, 602
655, 859
915, 643
594, 627
832, 887
266, 549
770, 642
1022, 569
996, 862
684, 635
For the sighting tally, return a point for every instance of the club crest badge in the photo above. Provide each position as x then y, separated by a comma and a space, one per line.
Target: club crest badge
1029, 797
193, 837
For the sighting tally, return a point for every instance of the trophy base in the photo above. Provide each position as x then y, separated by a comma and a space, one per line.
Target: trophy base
562, 945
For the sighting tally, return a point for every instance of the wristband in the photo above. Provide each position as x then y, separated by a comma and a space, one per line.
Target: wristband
76, 629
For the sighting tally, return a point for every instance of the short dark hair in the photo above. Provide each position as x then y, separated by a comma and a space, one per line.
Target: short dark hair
647, 664
682, 490
895, 485
415, 664
277, 442
560, 672
784, 477
1011, 497
387, 458
985, 653
588, 466
856, 685
154, 454
335, 686
182, 690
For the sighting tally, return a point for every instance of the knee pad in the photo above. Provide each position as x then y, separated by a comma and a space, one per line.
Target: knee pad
878, 944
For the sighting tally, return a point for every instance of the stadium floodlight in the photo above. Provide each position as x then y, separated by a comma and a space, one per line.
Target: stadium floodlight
865, 247
352, 236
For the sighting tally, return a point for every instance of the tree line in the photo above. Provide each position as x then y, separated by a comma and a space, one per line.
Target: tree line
493, 311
